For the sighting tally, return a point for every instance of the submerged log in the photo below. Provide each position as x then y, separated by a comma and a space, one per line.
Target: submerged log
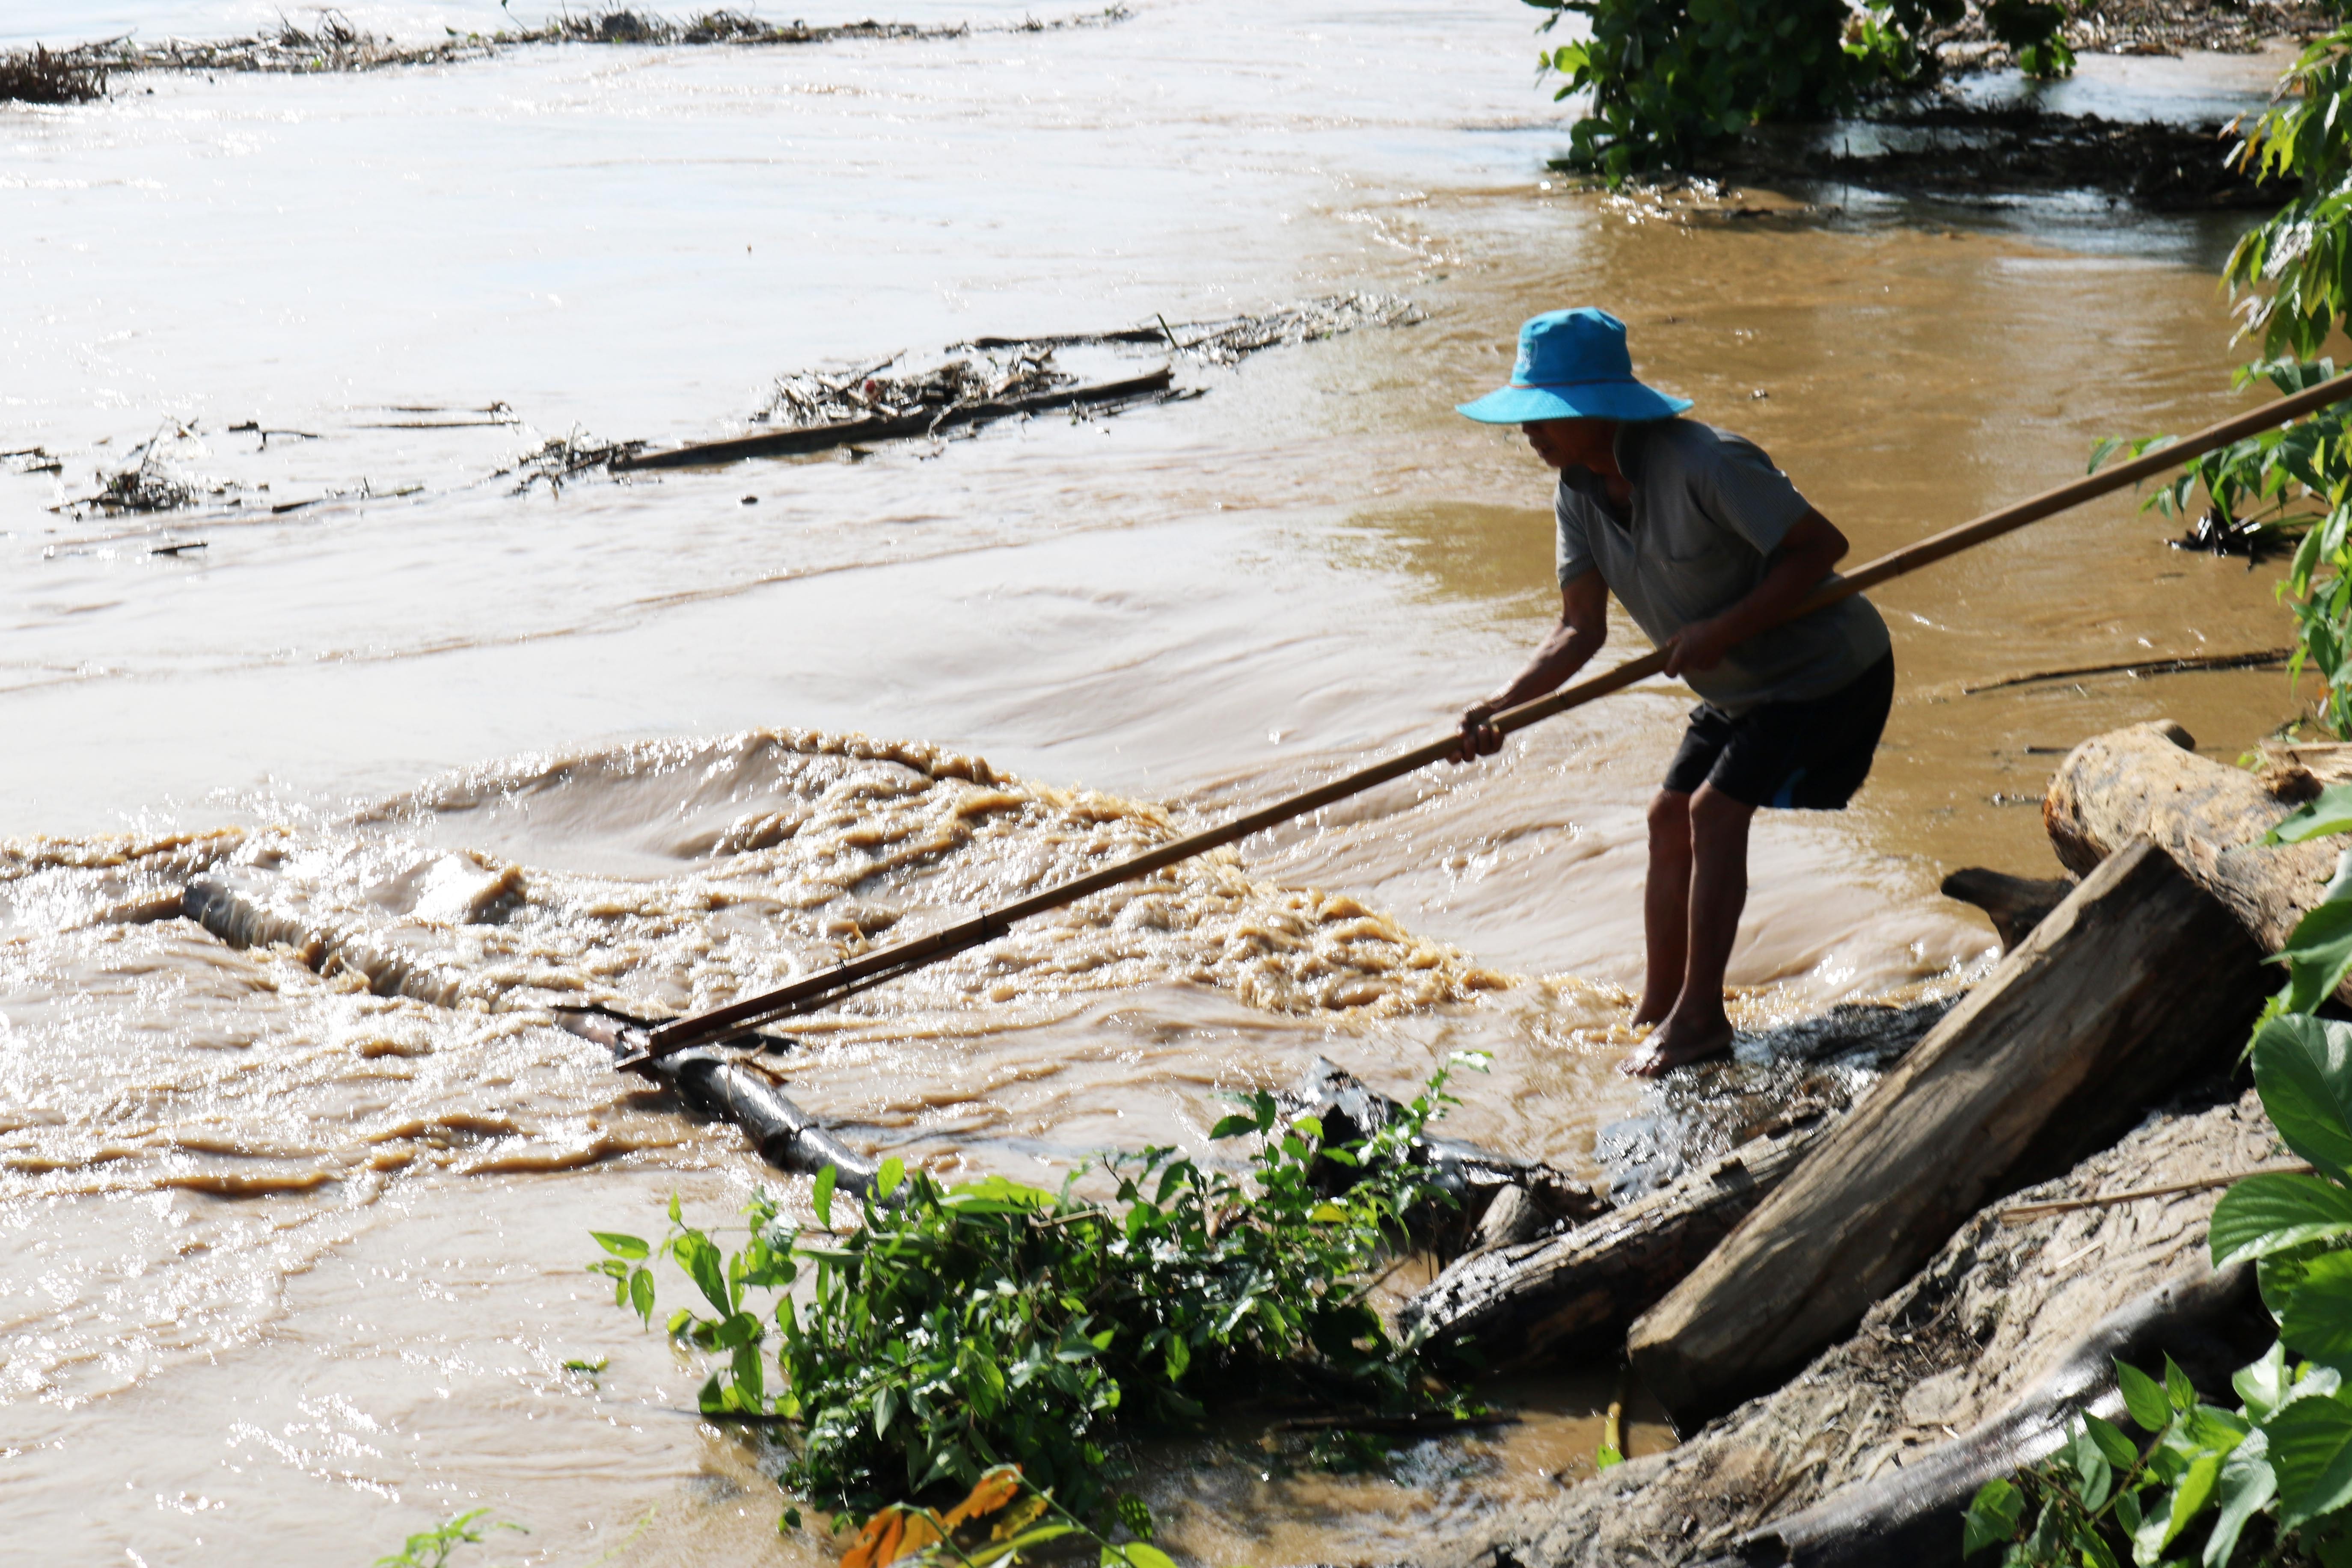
1518, 1303
728, 1087
2144, 782
2137, 977
2015, 904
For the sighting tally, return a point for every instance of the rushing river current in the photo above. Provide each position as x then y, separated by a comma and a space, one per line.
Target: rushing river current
295, 1237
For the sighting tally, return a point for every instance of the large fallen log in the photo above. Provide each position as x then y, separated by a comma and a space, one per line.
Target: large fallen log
2137, 977
2144, 782
1541, 1299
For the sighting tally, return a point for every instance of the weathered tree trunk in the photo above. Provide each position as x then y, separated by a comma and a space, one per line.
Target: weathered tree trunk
1516, 1303
2142, 782
2135, 978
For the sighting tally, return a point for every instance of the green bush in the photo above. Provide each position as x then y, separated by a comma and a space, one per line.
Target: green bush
1674, 79
956, 1328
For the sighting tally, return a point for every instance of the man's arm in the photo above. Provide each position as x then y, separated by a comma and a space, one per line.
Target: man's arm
1584, 627
1810, 549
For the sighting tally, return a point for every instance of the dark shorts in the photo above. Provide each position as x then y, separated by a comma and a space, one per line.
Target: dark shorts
1809, 756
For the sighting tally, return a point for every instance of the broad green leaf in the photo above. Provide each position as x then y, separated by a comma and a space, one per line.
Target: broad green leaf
821, 1199
2177, 1390
2262, 1385
2311, 1452
2268, 1213
886, 1179
2189, 1496
701, 1258
620, 1246
2118, 1449
1992, 1517
1606, 1458
2303, 1068
2330, 812
1144, 1555
641, 1293
2144, 1397
2246, 1488
2319, 1317
2319, 953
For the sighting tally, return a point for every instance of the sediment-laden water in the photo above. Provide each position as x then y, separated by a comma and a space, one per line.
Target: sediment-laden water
296, 1226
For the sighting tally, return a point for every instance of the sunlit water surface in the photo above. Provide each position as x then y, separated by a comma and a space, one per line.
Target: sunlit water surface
294, 1268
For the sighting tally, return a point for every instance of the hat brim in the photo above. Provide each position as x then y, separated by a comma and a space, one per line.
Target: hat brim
1628, 399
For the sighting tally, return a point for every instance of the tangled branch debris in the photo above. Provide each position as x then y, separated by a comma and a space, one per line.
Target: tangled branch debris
37, 75
332, 43
1007, 378
1229, 339
808, 398
566, 457
147, 484
1013, 368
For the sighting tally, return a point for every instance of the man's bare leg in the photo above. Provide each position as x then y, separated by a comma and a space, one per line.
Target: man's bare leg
1665, 905
1698, 1026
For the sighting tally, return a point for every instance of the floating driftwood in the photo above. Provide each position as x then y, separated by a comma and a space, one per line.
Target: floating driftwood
2137, 977
927, 422
2261, 658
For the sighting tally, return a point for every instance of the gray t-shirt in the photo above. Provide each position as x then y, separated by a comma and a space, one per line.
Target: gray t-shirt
1708, 511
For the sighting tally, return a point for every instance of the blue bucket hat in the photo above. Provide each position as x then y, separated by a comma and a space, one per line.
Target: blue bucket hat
1572, 365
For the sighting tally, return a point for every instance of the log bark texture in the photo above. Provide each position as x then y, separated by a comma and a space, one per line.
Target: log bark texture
1979, 1338
2210, 816
1524, 1302
2137, 977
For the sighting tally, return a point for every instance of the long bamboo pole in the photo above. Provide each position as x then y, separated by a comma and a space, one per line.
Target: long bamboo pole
902, 957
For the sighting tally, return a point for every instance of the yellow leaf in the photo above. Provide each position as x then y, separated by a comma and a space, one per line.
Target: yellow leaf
997, 1487
1022, 1516
877, 1543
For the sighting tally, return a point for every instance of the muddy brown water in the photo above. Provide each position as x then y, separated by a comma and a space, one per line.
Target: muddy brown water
294, 1267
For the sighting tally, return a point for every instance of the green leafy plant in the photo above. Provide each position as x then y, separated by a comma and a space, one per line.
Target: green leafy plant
956, 1328
431, 1547
1673, 80
2291, 278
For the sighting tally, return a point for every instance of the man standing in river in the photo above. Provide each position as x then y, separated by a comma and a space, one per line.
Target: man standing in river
1708, 547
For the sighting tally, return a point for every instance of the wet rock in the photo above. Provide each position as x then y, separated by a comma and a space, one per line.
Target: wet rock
1773, 1078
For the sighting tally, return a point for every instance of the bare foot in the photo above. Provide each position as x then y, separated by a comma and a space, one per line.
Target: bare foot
1674, 1043
1652, 1009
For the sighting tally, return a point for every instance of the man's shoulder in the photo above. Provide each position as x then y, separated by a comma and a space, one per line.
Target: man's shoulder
1692, 443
